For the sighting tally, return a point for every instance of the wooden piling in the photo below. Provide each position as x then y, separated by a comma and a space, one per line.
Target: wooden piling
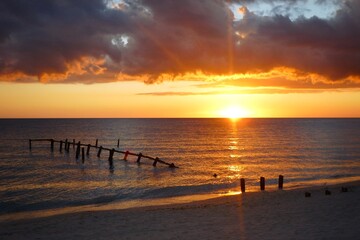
61, 143
96, 143
30, 144
262, 183
281, 181
66, 145
78, 150
118, 143
73, 143
155, 161
52, 144
139, 158
126, 155
111, 154
99, 152
88, 150
242, 185
83, 155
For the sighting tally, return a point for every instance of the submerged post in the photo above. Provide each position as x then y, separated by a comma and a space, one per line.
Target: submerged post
126, 155
88, 149
111, 154
281, 181
30, 144
78, 150
242, 185
139, 158
99, 152
66, 145
155, 161
52, 144
61, 143
96, 143
118, 143
83, 155
74, 143
262, 183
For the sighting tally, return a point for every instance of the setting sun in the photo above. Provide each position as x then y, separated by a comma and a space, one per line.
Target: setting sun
234, 112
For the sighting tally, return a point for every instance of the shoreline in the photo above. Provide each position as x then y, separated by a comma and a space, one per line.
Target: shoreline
283, 214
159, 202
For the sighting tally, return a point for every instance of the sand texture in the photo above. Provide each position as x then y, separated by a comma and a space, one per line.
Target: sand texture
262, 215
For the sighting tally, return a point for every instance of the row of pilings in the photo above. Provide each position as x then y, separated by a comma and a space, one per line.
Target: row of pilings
262, 183
80, 151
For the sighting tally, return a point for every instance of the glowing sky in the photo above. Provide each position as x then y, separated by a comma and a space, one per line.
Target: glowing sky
167, 58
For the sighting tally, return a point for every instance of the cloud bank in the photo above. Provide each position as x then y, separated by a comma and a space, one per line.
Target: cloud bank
93, 41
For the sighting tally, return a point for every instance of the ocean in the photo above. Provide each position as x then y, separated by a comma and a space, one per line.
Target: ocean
212, 155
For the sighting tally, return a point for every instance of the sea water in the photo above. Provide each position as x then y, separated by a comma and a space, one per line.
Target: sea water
212, 155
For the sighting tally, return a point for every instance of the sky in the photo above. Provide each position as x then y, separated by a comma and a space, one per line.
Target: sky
172, 58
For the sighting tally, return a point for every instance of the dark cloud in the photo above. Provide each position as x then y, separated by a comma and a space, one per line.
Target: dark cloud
100, 41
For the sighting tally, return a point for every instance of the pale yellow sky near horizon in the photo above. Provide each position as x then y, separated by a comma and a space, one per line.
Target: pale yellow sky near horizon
173, 99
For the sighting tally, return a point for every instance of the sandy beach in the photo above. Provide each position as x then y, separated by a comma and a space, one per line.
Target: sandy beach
285, 214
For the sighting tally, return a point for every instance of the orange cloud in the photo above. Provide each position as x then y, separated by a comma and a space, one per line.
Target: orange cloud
153, 41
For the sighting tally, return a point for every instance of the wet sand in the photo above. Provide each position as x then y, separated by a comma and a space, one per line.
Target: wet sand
285, 214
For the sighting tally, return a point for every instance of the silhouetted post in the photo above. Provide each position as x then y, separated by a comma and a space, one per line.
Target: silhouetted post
139, 158
99, 152
78, 150
118, 143
83, 154
111, 154
66, 145
61, 143
96, 144
52, 144
88, 149
126, 155
281, 181
242, 185
262, 183
155, 161
74, 143
30, 144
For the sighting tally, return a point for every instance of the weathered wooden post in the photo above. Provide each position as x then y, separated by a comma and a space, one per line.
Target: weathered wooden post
88, 150
139, 158
99, 152
242, 185
155, 161
262, 183
96, 143
74, 143
281, 181
66, 145
111, 154
30, 144
83, 154
52, 144
61, 143
118, 143
126, 155
78, 150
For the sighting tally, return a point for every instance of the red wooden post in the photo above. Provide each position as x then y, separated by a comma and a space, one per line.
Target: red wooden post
126, 155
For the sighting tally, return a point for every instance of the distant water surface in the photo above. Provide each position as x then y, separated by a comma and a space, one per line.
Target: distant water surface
305, 151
